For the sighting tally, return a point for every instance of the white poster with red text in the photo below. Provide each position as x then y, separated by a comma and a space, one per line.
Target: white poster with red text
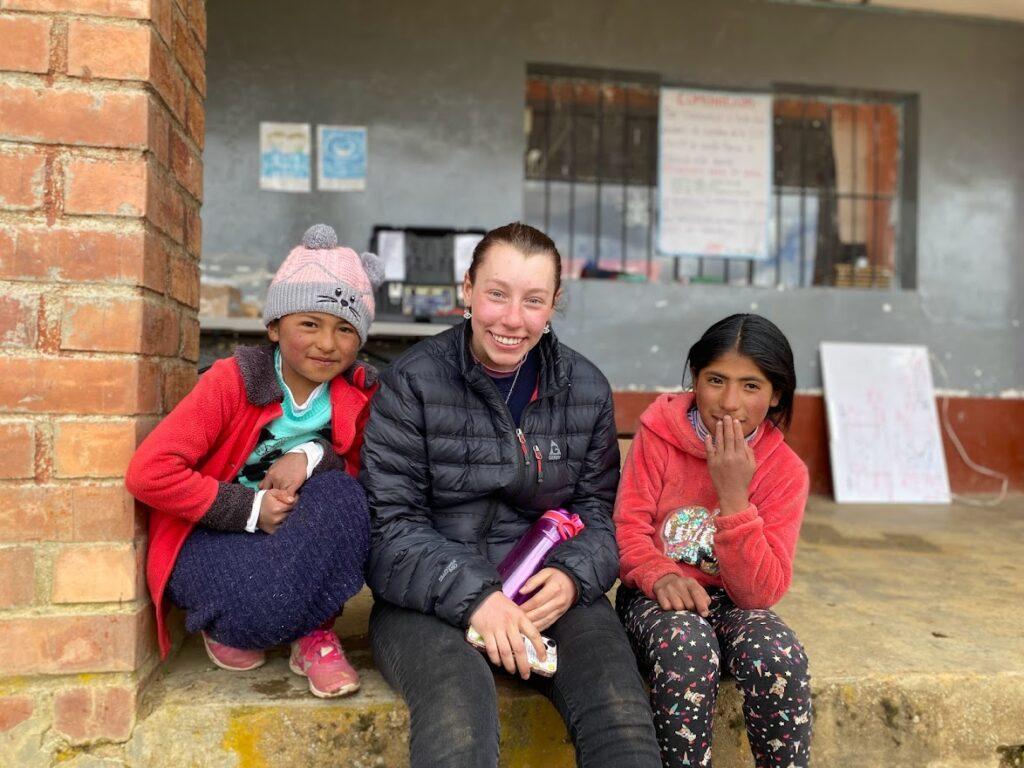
714, 173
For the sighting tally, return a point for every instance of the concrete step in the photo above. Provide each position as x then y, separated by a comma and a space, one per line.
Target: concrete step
197, 715
911, 617
206, 717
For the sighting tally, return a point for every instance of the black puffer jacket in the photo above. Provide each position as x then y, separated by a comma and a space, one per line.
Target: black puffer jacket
449, 487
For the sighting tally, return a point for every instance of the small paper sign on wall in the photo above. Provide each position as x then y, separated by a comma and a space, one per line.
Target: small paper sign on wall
285, 157
342, 158
464, 247
391, 249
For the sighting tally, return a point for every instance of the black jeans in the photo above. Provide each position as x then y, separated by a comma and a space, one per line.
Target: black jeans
449, 687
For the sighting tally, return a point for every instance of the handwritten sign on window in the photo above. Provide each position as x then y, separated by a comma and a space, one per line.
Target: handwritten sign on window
714, 173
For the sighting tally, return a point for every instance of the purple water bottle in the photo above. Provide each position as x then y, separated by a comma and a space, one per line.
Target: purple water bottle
526, 557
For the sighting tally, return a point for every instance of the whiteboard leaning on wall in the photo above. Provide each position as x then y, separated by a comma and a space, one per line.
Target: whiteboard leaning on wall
884, 439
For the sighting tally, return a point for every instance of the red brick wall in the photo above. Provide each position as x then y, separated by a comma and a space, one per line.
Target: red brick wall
101, 135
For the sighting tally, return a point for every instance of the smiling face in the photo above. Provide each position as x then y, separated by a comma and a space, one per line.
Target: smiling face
315, 347
733, 385
512, 298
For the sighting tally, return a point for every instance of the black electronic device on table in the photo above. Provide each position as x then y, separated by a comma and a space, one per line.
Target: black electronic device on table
430, 289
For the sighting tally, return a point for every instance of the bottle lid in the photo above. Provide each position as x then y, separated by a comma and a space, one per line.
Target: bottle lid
567, 525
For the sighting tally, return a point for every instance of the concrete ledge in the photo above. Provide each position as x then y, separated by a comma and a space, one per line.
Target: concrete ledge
198, 715
911, 617
268, 717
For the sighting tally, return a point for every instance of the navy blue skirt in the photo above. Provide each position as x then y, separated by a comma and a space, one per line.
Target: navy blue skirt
255, 590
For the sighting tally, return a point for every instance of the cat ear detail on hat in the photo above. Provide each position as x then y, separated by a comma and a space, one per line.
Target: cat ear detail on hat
373, 267
320, 237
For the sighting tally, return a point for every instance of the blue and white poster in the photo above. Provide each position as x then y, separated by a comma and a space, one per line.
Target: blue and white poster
342, 158
285, 157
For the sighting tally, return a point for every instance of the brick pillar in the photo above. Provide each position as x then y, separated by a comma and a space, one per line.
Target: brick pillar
101, 133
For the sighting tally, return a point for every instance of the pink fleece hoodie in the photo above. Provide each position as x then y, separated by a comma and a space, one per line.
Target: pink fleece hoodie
666, 512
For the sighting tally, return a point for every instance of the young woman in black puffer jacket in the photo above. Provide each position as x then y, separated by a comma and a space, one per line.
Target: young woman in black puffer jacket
473, 435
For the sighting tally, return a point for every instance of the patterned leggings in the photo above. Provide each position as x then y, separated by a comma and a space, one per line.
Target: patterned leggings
680, 654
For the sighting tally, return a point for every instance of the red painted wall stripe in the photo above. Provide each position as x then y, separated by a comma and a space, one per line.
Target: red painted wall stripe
990, 429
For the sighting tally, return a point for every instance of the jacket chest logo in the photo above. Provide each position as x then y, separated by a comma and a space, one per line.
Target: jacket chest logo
555, 453
450, 568
689, 537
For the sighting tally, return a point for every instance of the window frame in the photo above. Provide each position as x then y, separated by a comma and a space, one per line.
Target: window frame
904, 270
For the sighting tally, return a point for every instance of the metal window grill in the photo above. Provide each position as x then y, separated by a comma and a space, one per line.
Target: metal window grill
591, 166
844, 188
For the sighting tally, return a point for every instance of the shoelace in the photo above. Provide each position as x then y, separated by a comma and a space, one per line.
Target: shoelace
313, 644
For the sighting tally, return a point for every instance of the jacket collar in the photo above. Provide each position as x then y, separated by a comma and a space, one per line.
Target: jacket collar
553, 377
256, 364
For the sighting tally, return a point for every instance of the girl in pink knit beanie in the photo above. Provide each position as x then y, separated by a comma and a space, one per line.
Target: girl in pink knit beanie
259, 530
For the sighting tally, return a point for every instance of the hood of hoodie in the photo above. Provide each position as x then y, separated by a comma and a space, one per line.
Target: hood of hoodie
667, 418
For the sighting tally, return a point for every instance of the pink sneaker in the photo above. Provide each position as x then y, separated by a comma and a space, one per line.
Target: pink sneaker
318, 656
233, 659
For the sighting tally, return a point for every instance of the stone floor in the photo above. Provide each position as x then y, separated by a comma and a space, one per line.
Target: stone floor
912, 617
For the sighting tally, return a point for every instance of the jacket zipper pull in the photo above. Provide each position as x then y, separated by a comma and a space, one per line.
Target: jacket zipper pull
522, 443
540, 464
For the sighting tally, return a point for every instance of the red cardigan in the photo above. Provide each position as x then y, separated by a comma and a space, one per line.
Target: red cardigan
662, 518
184, 470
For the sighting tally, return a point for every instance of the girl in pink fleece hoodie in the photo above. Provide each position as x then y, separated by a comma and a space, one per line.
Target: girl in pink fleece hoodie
707, 518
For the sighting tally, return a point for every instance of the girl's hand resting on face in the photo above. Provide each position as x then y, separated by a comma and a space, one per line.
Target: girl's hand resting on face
731, 465
502, 624
681, 593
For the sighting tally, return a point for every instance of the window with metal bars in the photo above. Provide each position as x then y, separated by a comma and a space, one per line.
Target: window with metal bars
844, 191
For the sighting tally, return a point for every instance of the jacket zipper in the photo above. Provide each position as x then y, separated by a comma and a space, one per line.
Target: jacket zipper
520, 470
520, 438
522, 443
526, 454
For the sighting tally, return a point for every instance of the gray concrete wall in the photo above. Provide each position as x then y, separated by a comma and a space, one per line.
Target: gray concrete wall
440, 84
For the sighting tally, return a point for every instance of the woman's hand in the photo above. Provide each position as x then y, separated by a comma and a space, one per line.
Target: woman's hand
555, 594
681, 593
731, 465
274, 509
502, 624
288, 473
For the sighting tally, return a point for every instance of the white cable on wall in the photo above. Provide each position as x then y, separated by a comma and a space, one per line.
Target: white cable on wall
982, 470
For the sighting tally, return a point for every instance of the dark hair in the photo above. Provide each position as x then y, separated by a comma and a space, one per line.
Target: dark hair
759, 339
528, 240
